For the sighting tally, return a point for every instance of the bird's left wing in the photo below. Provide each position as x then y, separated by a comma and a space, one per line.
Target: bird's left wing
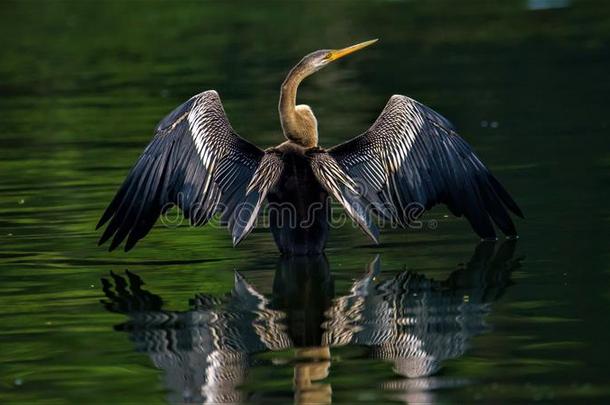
195, 161
412, 159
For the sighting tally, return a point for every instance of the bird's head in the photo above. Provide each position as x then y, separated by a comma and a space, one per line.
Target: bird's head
319, 59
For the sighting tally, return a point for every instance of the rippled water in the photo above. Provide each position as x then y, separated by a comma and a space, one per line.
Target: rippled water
427, 316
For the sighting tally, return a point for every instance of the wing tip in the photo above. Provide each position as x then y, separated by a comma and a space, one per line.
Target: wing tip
373, 233
116, 242
374, 267
239, 233
239, 236
237, 239
130, 244
505, 197
518, 212
105, 236
104, 218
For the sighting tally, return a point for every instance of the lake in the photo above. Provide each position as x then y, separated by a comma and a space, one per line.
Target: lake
428, 316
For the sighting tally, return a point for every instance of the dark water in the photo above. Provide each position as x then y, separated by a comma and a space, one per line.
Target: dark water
428, 316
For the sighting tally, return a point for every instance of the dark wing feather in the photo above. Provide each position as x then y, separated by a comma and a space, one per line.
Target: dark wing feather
411, 157
343, 189
195, 161
264, 179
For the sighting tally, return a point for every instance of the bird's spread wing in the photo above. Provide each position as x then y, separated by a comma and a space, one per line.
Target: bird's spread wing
411, 157
195, 161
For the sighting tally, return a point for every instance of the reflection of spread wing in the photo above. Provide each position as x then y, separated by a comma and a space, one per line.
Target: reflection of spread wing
410, 320
267, 324
204, 352
197, 366
346, 313
416, 322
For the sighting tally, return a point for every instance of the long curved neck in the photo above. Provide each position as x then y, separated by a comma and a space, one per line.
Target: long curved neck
298, 124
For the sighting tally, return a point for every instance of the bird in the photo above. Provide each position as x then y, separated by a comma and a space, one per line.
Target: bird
408, 161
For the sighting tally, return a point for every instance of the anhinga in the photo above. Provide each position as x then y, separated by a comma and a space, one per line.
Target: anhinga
410, 158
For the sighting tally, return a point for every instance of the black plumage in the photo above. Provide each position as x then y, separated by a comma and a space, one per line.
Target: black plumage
412, 157
299, 207
195, 161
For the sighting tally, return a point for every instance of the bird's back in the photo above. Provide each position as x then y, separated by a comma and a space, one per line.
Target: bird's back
299, 208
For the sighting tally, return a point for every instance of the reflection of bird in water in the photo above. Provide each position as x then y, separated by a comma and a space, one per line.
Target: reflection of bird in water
409, 160
204, 351
418, 322
409, 320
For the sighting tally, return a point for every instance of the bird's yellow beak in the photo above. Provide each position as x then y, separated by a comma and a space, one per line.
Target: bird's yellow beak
339, 53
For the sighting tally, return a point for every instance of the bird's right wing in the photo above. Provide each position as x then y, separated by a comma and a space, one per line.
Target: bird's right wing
412, 159
195, 161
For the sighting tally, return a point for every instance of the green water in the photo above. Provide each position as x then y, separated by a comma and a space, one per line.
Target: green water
82, 84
